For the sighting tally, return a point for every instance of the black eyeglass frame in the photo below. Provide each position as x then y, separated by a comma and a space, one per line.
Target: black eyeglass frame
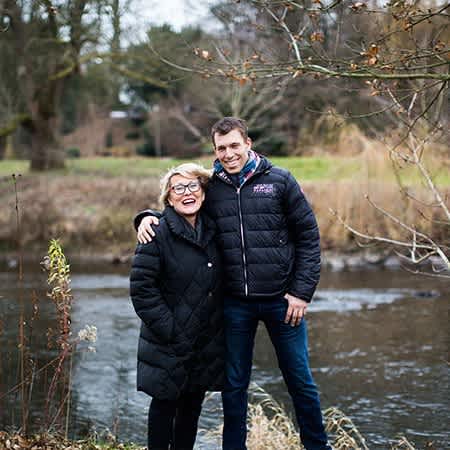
197, 186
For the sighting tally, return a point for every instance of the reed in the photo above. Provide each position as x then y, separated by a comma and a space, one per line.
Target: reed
270, 427
57, 394
94, 215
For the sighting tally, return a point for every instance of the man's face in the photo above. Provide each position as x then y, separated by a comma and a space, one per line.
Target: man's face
232, 150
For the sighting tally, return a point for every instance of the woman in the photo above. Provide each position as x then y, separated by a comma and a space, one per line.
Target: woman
175, 289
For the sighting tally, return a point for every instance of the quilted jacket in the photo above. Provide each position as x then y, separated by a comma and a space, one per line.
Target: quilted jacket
176, 291
267, 234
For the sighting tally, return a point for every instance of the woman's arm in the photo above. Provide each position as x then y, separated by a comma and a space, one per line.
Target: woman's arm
145, 291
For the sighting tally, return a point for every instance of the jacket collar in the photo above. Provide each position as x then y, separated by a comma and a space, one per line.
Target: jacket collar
263, 165
202, 234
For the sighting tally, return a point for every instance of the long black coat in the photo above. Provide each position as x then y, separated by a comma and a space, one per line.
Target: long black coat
176, 291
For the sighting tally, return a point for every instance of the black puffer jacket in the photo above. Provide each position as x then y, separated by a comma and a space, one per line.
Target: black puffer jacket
175, 289
267, 233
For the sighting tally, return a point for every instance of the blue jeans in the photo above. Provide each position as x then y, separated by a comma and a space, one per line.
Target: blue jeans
291, 346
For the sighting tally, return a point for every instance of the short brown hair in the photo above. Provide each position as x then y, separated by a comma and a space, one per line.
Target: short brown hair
227, 124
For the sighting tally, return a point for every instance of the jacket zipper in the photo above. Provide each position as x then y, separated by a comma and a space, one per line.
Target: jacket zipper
244, 259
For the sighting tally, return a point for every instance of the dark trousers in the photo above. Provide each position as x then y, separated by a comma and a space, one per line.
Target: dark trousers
291, 346
173, 424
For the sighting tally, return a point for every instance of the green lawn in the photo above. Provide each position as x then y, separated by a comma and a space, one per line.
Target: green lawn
324, 168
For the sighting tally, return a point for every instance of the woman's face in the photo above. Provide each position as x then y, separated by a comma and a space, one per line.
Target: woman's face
186, 204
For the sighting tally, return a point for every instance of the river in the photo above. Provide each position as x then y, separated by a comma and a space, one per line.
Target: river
378, 347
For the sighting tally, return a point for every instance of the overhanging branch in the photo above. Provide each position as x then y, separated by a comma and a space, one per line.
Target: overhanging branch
13, 124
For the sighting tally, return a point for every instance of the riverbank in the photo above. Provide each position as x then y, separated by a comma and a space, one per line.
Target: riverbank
331, 260
47, 441
90, 205
274, 431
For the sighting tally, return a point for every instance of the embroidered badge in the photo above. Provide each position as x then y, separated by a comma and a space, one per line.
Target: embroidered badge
223, 176
265, 189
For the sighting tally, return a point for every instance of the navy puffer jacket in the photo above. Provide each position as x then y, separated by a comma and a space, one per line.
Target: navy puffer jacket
267, 233
175, 289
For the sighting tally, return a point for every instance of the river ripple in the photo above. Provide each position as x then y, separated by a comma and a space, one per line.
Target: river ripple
378, 347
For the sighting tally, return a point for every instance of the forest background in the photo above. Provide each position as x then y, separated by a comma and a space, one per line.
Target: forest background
352, 97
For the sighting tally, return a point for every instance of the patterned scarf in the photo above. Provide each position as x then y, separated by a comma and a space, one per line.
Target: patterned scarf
246, 172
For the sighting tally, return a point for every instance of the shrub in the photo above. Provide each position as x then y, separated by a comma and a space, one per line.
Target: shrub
133, 135
109, 139
73, 152
146, 149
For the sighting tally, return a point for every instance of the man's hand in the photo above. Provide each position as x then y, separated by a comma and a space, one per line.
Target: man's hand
145, 231
296, 310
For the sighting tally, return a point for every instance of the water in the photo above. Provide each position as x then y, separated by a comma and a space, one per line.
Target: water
378, 347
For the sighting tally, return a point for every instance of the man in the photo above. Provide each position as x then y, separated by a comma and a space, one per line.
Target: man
270, 245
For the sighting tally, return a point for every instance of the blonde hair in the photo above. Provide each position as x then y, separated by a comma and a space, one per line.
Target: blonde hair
189, 170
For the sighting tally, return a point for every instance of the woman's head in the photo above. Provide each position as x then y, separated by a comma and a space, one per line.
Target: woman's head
183, 188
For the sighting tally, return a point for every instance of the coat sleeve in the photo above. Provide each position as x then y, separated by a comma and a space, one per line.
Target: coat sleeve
305, 234
145, 292
141, 214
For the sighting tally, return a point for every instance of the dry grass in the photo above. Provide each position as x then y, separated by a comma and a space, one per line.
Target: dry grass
91, 210
86, 213
46, 441
345, 434
349, 200
270, 427
94, 214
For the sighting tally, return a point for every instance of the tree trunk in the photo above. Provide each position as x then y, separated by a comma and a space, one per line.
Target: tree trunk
2, 146
46, 153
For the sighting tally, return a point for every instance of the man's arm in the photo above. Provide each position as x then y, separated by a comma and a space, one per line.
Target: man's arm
305, 233
143, 223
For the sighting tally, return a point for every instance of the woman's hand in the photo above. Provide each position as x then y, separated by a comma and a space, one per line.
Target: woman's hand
145, 231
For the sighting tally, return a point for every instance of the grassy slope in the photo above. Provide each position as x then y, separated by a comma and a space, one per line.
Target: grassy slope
324, 168
90, 204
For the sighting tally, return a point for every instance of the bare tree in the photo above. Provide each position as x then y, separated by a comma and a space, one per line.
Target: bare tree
49, 44
47, 40
398, 50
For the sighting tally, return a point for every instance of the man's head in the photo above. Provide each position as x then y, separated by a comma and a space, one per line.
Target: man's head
231, 143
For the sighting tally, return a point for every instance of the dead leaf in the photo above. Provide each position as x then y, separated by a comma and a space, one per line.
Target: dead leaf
317, 36
358, 6
440, 45
243, 80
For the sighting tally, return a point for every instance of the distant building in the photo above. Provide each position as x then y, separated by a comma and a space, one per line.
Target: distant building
118, 114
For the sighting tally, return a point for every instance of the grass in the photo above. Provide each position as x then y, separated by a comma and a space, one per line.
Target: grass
90, 203
270, 427
305, 169
47, 441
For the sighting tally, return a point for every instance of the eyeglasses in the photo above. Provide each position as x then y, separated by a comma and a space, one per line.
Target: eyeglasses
180, 189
